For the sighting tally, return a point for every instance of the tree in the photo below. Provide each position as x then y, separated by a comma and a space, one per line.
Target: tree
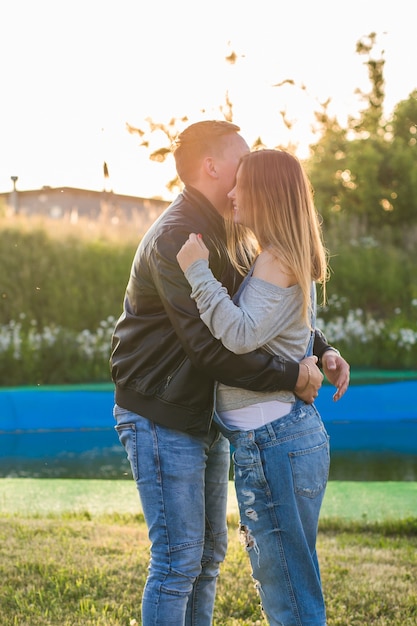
370, 122
399, 171
326, 163
364, 176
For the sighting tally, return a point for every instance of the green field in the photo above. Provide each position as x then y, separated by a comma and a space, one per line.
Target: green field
76, 552
359, 501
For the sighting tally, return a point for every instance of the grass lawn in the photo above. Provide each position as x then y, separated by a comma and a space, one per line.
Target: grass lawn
75, 553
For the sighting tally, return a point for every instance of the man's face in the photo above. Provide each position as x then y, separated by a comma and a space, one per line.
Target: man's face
228, 163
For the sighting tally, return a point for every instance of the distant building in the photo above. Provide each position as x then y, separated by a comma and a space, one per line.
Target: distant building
71, 204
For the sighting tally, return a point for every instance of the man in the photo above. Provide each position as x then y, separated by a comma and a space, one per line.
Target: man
164, 364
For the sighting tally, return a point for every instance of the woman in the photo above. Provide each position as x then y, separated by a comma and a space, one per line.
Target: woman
281, 451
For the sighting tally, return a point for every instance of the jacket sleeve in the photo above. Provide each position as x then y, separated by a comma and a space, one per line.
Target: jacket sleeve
257, 370
320, 346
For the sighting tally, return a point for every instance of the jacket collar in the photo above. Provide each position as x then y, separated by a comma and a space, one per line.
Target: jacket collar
196, 198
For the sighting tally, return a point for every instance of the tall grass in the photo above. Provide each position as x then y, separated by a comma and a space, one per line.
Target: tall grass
62, 288
70, 283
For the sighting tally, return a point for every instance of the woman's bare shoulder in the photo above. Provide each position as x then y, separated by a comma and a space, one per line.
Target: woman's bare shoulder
270, 269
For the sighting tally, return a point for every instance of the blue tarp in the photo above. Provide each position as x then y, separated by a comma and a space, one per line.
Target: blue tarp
369, 417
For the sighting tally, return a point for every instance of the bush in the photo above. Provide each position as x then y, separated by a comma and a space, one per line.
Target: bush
374, 276
70, 283
54, 355
61, 297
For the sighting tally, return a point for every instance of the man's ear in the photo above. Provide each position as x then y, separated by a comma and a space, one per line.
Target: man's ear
209, 167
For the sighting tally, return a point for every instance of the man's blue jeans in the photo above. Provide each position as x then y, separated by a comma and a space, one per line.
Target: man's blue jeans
281, 472
182, 482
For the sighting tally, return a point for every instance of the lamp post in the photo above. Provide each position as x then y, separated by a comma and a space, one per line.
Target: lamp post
15, 203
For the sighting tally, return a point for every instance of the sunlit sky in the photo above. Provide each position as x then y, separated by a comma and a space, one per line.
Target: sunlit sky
74, 72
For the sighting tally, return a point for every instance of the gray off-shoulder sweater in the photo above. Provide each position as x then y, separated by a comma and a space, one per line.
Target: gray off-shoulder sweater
264, 315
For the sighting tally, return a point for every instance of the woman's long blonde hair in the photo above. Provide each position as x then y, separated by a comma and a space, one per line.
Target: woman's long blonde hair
276, 200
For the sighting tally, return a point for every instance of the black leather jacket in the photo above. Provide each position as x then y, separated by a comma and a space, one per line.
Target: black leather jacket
164, 360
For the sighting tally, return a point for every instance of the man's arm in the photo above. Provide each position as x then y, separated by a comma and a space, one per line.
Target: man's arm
320, 346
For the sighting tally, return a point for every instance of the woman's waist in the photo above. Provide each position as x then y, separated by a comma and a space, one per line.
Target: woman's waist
302, 418
254, 416
232, 398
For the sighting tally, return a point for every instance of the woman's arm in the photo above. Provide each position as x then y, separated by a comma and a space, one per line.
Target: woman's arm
242, 328
194, 249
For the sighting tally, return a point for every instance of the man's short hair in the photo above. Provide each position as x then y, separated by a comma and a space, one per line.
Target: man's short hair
196, 141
